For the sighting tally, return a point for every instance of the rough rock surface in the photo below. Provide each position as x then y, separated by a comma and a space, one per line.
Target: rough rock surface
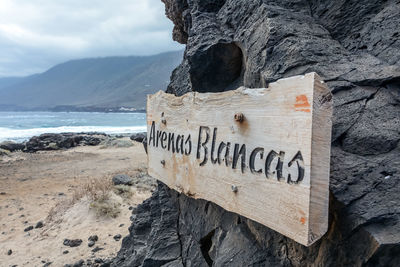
12, 146
355, 47
138, 137
53, 141
122, 179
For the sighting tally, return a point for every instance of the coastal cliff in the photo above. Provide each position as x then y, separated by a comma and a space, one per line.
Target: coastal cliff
355, 47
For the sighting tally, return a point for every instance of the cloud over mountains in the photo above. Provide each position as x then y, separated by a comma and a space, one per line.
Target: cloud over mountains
36, 34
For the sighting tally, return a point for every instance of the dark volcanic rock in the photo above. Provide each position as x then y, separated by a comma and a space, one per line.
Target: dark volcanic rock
27, 229
78, 263
11, 146
122, 179
138, 137
72, 242
39, 224
93, 238
52, 141
97, 249
355, 47
117, 237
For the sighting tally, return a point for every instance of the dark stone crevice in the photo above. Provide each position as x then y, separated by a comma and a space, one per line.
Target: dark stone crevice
178, 232
216, 69
210, 6
205, 246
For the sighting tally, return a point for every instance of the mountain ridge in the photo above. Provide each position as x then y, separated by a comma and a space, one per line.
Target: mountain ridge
104, 83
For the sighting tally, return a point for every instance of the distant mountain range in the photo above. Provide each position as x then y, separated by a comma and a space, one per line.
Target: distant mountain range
93, 84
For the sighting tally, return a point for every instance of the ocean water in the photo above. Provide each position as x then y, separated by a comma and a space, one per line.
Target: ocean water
20, 126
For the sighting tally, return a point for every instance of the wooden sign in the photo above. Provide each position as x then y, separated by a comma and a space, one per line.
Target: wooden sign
262, 153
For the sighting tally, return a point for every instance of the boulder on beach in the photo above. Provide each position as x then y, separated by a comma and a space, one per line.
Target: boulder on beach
138, 137
122, 179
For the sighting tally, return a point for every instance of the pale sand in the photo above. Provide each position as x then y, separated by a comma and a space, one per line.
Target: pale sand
33, 183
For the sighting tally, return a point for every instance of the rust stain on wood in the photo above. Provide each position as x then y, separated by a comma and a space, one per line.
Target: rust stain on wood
302, 103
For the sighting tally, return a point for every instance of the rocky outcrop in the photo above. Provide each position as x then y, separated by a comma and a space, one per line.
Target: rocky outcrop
52, 141
355, 47
11, 146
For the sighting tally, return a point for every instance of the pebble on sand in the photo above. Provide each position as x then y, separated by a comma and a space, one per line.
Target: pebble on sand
117, 237
72, 242
27, 229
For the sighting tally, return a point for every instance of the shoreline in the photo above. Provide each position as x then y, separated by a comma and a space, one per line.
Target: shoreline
72, 138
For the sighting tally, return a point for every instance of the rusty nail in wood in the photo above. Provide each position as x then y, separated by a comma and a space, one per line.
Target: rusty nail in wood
234, 188
163, 162
239, 117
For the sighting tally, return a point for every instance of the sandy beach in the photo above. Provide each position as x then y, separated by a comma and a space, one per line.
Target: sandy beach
40, 187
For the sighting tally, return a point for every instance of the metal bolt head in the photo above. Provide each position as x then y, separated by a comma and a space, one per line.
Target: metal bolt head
239, 117
234, 188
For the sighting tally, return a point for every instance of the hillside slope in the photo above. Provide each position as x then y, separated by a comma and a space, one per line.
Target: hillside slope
108, 82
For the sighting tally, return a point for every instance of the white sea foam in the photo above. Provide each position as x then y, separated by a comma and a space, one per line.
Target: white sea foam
19, 135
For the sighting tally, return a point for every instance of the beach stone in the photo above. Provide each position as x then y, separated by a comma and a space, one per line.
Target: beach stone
9, 252
122, 179
72, 242
78, 263
91, 243
138, 137
93, 238
354, 46
96, 249
117, 237
27, 229
39, 224
65, 252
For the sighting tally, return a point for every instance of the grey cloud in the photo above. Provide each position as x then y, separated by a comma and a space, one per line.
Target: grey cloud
37, 34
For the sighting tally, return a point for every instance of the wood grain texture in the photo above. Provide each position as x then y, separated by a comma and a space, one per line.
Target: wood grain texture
283, 140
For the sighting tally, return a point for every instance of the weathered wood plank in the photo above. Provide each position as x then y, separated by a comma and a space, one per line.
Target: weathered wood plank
272, 167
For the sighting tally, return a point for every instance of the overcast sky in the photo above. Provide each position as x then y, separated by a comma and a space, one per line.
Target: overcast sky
37, 34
